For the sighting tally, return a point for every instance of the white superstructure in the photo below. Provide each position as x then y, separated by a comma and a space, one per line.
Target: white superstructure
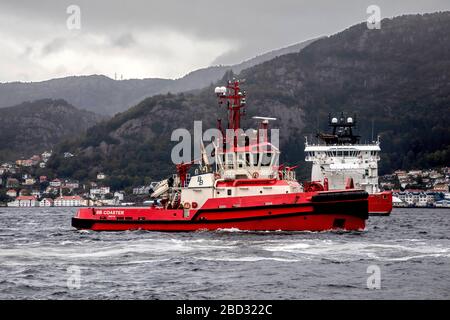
341, 156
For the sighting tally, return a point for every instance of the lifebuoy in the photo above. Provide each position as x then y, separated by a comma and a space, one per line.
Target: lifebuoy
194, 205
255, 175
186, 205
216, 175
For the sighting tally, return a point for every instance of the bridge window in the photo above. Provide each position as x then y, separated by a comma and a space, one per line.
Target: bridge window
255, 159
240, 160
266, 158
229, 160
274, 159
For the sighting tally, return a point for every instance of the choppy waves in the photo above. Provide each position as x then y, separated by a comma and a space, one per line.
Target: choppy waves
38, 248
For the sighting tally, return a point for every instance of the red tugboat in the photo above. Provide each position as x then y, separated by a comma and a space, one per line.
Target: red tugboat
244, 189
341, 161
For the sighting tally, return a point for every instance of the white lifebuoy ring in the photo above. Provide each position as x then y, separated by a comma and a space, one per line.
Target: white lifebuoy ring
186, 205
255, 175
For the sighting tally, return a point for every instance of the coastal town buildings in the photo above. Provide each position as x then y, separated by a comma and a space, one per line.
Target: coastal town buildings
46, 202
101, 176
71, 185
12, 183
24, 201
56, 183
68, 201
29, 182
99, 192
11, 193
421, 188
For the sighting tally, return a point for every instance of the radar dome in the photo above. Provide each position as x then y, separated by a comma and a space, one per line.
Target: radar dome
334, 120
349, 120
220, 90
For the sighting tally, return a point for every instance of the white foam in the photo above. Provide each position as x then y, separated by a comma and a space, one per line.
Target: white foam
347, 251
247, 259
145, 261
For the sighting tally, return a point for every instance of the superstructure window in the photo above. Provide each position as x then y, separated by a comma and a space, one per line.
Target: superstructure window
267, 157
229, 160
255, 159
240, 160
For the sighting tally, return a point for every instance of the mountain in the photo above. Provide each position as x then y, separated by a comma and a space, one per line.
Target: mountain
103, 95
95, 93
398, 77
295, 48
33, 127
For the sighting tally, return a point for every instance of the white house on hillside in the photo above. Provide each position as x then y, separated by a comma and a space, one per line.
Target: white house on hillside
55, 183
101, 176
11, 193
118, 196
99, 191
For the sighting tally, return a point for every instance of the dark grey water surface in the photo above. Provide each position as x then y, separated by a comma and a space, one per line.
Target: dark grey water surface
39, 251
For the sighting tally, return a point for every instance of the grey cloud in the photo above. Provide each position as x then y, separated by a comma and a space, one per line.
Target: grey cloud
125, 40
53, 46
254, 26
27, 51
234, 56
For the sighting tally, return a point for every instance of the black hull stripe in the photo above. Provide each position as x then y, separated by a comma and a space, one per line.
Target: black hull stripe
379, 213
86, 223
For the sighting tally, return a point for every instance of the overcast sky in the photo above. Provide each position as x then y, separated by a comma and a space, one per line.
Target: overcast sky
167, 38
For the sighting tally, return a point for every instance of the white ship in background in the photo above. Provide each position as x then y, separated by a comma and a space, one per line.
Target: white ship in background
340, 161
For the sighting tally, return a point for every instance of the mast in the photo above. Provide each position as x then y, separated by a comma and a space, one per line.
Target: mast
234, 98
342, 130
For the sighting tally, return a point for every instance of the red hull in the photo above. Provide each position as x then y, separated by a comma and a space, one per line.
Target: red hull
286, 223
289, 212
380, 203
